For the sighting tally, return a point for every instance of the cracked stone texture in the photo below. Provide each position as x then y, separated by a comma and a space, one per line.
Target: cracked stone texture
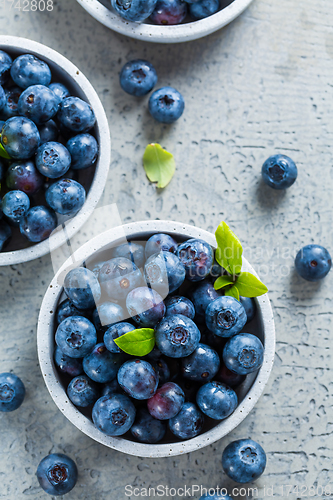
262, 85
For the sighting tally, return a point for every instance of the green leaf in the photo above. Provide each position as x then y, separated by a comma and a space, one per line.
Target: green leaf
3, 152
137, 342
232, 292
249, 286
222, 282
159, 165
229, 249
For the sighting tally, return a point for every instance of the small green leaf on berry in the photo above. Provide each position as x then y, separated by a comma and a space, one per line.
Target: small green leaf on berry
138, 342
232, 292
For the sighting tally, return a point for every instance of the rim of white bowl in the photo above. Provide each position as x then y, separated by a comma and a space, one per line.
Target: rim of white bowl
74, 75
165, 34
45, 346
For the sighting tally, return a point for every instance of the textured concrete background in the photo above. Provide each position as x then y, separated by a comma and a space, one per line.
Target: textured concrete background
262, 85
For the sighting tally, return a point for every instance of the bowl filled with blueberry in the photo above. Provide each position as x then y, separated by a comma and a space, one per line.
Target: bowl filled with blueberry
54, 149
165, 21
159, 339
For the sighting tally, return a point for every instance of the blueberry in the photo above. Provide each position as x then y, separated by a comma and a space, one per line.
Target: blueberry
66, 196
244, 460
138, 378
167, 402
197, 257
249, 306
164, 272
188, 423
57, 474
2, 98
243, 353
5, 65
154, 355
203, 8
102, 365
134, 10
53, 159
132, 251
60, 91
5, 233
162, 369
118, 277
76, 115
202, 365
313, 262
96, 267
38, 103
9, 109
38, 223
83, 149
28, 70
65, 364
147, 429
225, 316
20, 138
23, 175
15, 205
166, 105
145, 306
82, 288
168, 12
228, 377
76, 336
160, 242
217, 400
66, 309
112, 388
114, 332
177, 336
48, 132
114, 414
279, 172
179, 305
107, 314
138, 77
201, 295
12, 392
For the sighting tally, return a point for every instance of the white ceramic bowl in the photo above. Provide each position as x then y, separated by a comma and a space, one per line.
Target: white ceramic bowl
93, 179
248, 393
163, 34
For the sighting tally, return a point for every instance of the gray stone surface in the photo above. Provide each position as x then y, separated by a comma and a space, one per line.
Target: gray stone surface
261, 85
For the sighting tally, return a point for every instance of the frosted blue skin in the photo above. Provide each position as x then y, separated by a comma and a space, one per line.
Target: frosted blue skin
244, 460
20, 138
53, 160
202, 365
65, 364
66, 196
15, 205
169, 12
114, 332
179, 305
60, 91
217, 400
313, 262
5, 64
82, 391
12, 392
83, 149
279, 172
132, 251
108, 314
188, 423
145, 306
101, 365
160, 242
76, 336
118, 277
138, 378
28, 70
114, 414
10, 107
82, 288
225, 316
164, 272
249, 306
38, 103
38, 223
177, 336
5, 233
134, 10
48, 132
147, 429
166, 105
57, 474
198, 257
202, 294
138, 77
2, 98
243, 354
76, 115
203, 8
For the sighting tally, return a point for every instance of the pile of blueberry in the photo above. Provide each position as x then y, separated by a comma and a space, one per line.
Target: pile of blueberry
200, 357
44, 145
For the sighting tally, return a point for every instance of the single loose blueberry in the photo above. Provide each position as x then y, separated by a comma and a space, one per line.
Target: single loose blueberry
177, 336
82, 288
197, 257
12, 392
107, 314
279, 172
138, 378
134, 10
114, 414
225, 316
24, 176
102, 365
20, 138
76, 336
179, 305
203, 8
60, 91
66, 196
147, 429
164, 272
243, 353
9, 109
145, 306
166, 105
5, 233
67, 365
38, 223
76, 115
249, 306
132, 251
115, 331
48, 132
202, 365
188, 423
167, 401
57, 474
38, 103
118, 277
313, 262
53, 159
5, 65
202, 294
217, 400
83, 149
169, 12
15, 205
138, 77
28, 70
244, 460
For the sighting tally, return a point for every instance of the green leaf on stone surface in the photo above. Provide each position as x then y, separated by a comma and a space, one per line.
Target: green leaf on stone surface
232, 292
250, 286
3, 152
138, 342
159, 165
222, 282
229, 249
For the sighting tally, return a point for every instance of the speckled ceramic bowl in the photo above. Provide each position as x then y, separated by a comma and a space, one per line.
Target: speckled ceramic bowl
93, 179
248, 392
101, 10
